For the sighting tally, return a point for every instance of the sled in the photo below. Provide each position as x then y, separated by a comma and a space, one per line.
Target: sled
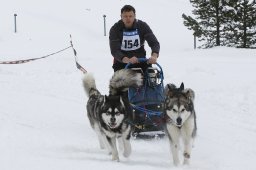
147, 103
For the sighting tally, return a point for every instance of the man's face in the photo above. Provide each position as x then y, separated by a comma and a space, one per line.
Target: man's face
128, 18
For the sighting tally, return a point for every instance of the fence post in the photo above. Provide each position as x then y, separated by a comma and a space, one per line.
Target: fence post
15, 23
194, 41
104, 17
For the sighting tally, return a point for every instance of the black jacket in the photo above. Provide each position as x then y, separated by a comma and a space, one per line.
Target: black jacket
116, 38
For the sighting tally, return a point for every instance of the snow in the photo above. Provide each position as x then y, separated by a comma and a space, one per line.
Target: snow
43, 123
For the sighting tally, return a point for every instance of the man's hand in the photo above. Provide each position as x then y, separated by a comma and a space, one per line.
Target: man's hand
125, 60
132, 60
153, 58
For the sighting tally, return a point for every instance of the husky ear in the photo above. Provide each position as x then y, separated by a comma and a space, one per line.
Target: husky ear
181, 88
171, 86
190, 94
168, 90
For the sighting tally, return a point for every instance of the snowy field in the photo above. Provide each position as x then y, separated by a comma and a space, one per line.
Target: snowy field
43, 123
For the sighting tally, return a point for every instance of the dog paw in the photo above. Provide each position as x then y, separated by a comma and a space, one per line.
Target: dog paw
115, 158
186, 162
127, 154
186, 158
176, 162
186, 155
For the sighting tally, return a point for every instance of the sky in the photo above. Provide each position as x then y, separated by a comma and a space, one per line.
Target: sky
43, 122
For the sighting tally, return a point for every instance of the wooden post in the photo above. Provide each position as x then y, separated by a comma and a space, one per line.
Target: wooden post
15, 23
194, 41
104, 17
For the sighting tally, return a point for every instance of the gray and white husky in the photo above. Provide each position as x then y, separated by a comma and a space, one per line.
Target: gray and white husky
109, 115
180, 120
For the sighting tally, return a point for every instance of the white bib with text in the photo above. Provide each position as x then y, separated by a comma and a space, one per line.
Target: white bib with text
131, 40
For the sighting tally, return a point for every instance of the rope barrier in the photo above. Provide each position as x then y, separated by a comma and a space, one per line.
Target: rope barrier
32, 59
38, 58
78, 66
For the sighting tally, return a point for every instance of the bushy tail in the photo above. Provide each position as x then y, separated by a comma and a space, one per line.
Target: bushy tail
123, 79
90, 85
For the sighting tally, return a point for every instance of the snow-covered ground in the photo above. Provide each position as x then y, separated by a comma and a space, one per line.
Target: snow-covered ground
43, 123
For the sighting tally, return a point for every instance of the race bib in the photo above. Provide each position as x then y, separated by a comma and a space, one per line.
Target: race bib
131, 40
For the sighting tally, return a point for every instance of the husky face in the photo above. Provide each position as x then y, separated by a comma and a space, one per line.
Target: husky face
113, 113
178, 111
113, 118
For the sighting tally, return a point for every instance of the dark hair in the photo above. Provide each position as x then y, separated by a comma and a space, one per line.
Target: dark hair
128, 8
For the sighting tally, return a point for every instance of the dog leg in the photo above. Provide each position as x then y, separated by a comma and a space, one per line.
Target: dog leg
126, 142
100, 137
175, 153
188, 141
112, 142
127, 147
187, 150
174, 144
102, 145
106, 143
120, 143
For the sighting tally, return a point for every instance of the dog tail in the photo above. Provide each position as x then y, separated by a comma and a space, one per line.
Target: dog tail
90, 85
122, 80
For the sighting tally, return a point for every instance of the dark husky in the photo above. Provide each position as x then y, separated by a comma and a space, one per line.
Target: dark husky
181, 120
110, 115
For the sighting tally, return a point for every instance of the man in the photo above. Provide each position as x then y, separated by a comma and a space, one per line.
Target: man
127, 38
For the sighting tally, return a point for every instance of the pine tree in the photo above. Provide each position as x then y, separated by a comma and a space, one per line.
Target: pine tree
245, 22
224, 22
229, 27
207, 22
192, 24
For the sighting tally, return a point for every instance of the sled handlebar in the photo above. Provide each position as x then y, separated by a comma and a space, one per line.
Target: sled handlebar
142, 60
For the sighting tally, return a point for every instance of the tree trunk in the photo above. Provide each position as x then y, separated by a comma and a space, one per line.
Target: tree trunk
217, 24
244, 26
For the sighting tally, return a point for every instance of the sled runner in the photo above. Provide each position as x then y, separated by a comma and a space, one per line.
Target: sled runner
147, 102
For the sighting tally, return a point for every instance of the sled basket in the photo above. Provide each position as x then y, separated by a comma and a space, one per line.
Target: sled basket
147, 102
